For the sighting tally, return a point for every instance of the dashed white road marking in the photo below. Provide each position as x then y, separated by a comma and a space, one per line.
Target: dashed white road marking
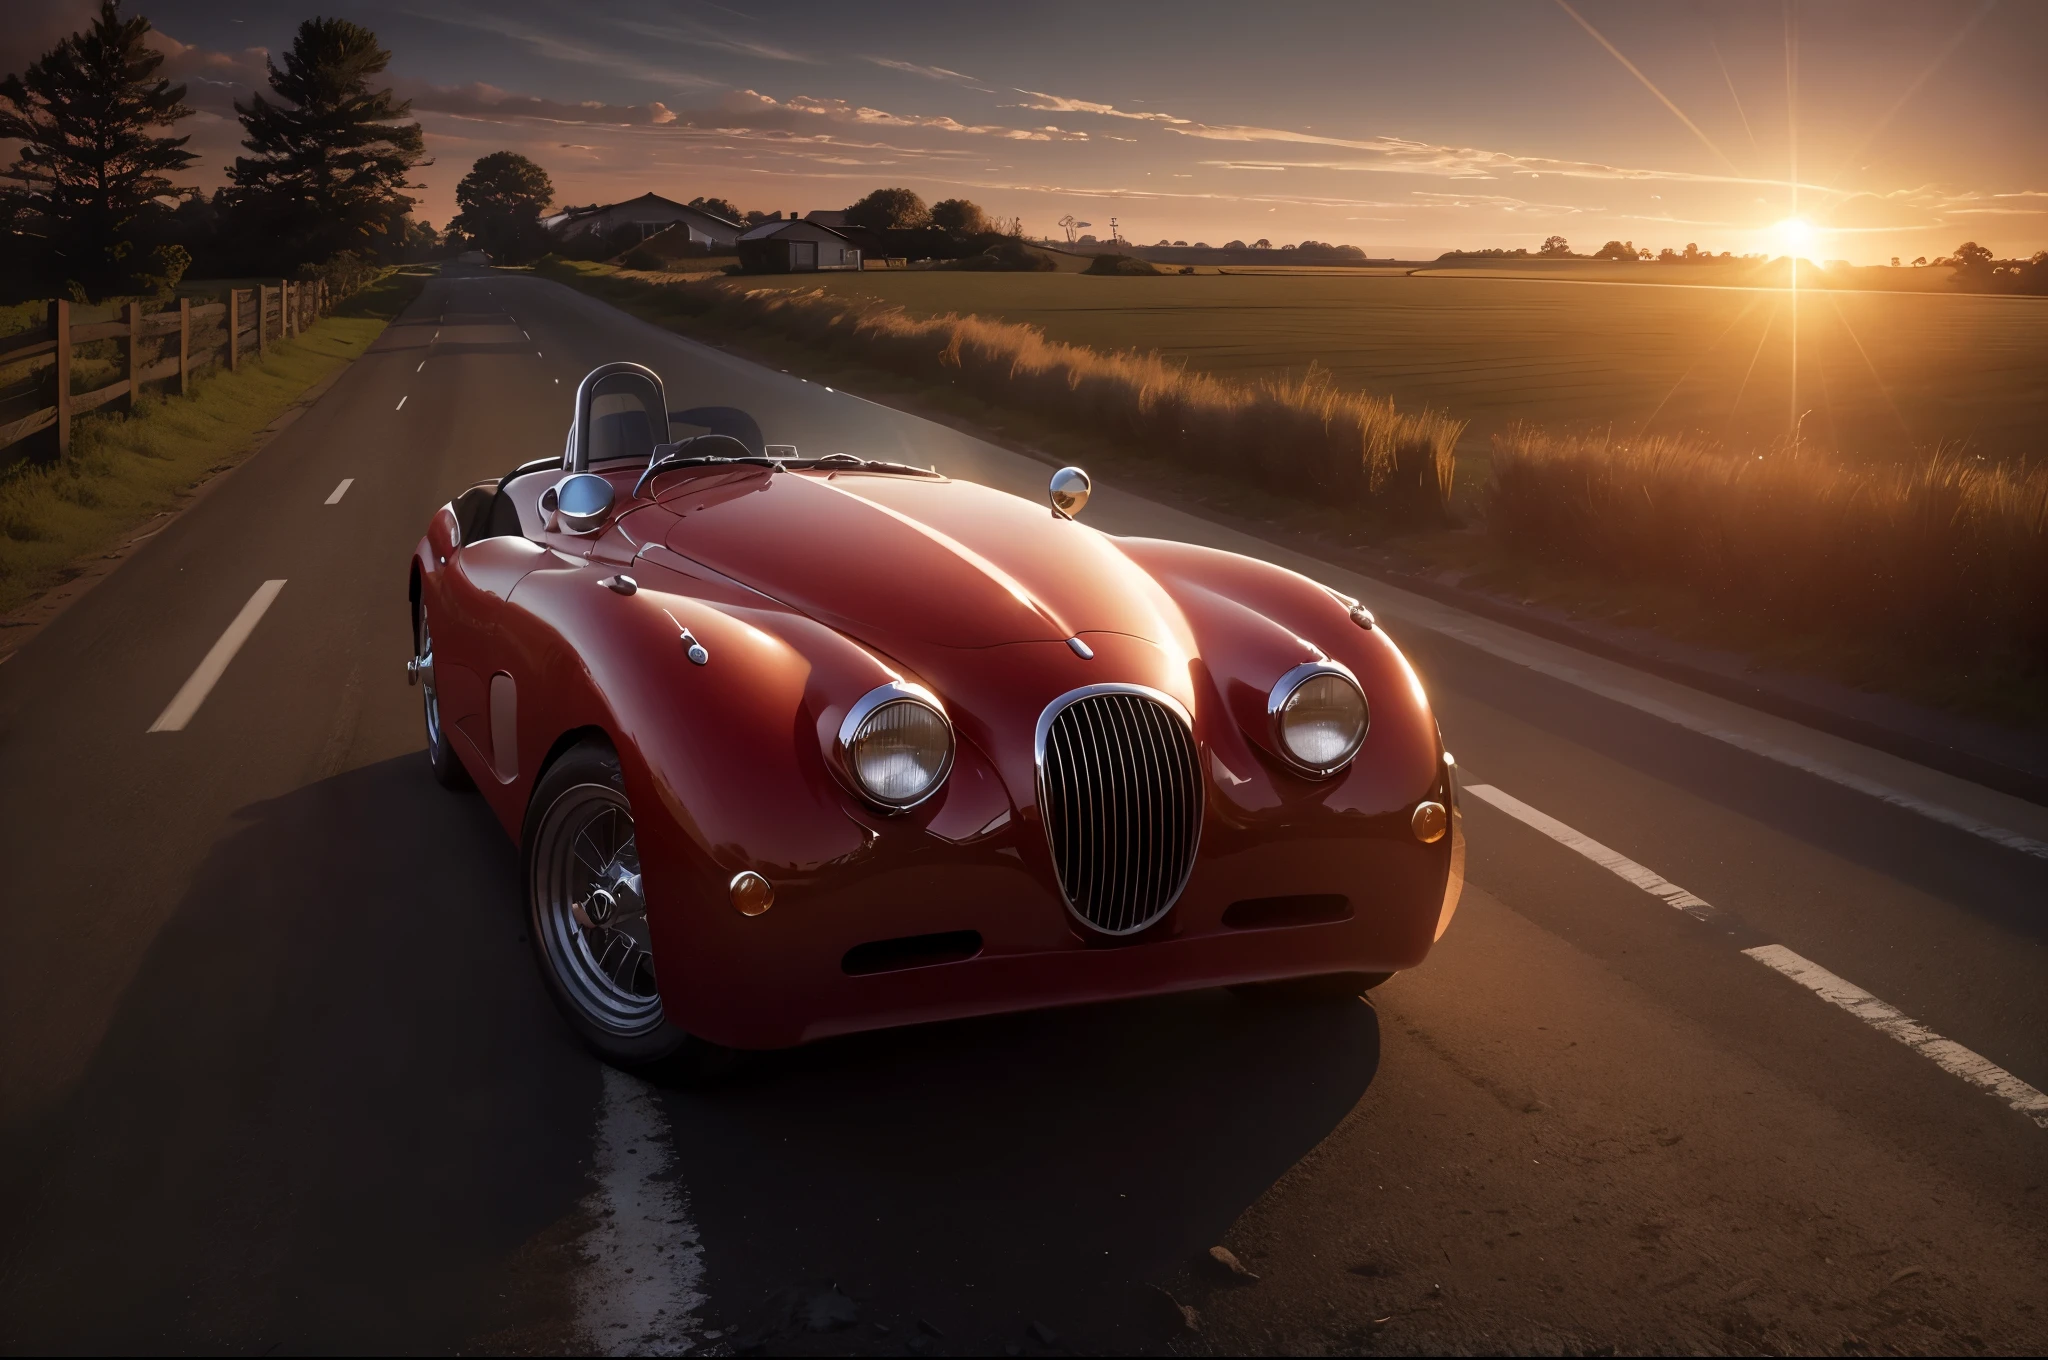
640, 1290
214, 664
423, 364
401, 403
527, 336
340, 491
1759, 746
1887, 1019
1950, 1056
1648, 880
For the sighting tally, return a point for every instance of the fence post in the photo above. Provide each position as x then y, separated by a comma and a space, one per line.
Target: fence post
184, 346
134, 353
234, 329
262, 315
60, 370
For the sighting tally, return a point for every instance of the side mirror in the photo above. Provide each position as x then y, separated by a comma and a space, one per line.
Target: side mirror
578, 504
1069, 492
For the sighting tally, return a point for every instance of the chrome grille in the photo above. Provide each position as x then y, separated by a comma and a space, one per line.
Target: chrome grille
1121, 793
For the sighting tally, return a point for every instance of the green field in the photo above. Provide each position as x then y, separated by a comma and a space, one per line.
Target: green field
1879, 375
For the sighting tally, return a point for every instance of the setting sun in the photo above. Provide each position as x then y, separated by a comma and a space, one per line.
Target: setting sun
1795, 236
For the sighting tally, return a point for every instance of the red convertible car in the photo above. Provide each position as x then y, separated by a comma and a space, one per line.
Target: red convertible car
798, 746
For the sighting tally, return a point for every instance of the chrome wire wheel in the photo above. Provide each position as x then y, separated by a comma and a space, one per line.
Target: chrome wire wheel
590, 918
432, 699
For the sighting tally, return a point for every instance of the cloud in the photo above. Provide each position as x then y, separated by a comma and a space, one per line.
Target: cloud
489, 102
928, 72
1401, 155
1054, 103
564, 49
213, 80
694, 34
1503, 202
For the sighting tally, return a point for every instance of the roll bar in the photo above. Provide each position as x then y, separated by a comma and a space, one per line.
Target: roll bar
616, 377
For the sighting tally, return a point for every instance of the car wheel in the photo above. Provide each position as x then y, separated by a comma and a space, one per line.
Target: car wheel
448, 771
589, 919
1329, 987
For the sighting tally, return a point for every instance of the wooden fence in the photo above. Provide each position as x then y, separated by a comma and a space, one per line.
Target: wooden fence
250, 320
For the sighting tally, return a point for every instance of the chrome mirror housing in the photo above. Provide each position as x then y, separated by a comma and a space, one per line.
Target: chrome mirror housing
578, 504
1069, 492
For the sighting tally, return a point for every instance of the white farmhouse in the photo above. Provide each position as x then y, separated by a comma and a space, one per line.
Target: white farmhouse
650, 213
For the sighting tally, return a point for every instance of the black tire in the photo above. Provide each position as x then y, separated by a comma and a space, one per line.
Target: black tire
1297, 991
588, 926
448, 770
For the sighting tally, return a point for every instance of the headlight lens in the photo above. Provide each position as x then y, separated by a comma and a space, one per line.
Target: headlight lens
1319, 716
898, 747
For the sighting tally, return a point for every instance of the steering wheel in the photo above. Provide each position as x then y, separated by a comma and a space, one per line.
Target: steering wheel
703, 448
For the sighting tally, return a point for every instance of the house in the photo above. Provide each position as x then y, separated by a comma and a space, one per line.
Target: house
796, 246
650, 213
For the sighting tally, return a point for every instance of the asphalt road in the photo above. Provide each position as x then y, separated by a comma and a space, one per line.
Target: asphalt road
276, 1073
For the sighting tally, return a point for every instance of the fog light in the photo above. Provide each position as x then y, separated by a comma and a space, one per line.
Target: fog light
751, 894
1430, 821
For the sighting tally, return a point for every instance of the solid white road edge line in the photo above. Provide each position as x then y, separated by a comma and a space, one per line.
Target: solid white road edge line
1887, 1019
1648, 880
1769, 750
401, 403
193, 692
640, 1289
341, 491
1952, 1057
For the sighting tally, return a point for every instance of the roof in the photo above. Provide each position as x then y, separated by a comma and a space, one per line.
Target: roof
772, 228
651, 200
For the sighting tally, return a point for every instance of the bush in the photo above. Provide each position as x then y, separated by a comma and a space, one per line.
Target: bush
1012, 256
1950, 556
1121, 266
1303, 437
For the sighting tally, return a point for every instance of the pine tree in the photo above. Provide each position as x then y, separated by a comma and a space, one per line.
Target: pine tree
89, 171
330, 168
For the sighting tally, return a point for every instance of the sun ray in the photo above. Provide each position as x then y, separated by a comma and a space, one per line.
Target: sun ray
1705, 140
1699, 359
1736, 408
1941, 57
1739, 111
1875, 376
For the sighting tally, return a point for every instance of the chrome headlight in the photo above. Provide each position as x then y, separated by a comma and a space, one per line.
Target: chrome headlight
897, 745
1319, 717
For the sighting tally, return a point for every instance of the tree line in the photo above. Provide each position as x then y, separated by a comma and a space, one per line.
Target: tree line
91, 206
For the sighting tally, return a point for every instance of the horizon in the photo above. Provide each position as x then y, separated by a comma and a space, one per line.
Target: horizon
1485, 125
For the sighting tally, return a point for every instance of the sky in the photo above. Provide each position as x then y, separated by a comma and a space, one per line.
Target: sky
1893, 127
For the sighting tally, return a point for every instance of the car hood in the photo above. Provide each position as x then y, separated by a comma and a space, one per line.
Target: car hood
926, 559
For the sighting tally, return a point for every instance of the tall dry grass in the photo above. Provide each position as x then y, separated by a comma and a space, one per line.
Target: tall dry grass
1303, 436
1950, 553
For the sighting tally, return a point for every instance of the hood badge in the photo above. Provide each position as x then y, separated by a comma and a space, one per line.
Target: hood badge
691, 647
1081, 649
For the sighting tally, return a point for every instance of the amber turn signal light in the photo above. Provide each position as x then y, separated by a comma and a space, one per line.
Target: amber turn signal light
1430, 822
751, 894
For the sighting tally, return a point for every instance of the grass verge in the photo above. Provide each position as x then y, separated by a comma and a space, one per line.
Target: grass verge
1640, 589
1301, 436
126, 469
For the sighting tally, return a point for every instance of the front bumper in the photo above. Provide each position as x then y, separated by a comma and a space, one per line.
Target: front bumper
782, 978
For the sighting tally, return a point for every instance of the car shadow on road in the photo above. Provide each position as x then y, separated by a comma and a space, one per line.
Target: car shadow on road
335, 1111
984, 1175
332, 1103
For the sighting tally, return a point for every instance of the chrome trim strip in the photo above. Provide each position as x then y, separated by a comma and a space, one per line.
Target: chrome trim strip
576, 456
1284, 688
1199, 793
894, 692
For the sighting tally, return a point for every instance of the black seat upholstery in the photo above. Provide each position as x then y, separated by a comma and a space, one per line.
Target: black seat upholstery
482, 512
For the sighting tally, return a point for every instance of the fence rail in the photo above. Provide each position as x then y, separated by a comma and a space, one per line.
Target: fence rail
250, 320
